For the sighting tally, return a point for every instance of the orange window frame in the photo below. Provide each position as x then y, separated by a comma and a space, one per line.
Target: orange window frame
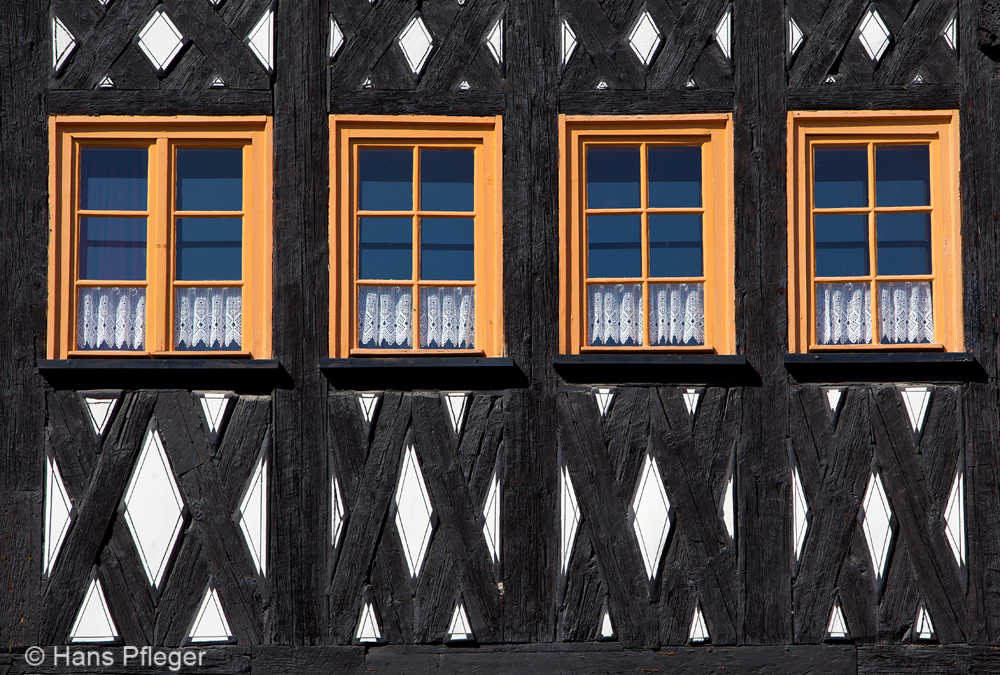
348, 134
937, 129
714, 133
162, 135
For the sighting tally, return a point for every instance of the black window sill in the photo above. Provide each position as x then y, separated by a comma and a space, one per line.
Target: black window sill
241, 375
431, 372
885, 367
706, 369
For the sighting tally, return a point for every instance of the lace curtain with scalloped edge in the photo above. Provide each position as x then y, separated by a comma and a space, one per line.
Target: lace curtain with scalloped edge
111, 319
208, 319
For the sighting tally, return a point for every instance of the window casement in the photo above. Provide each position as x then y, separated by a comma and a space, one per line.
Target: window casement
160, 241
874, 231
646, 235
415, 236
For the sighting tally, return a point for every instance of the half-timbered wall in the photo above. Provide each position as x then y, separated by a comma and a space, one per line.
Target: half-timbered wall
619, 513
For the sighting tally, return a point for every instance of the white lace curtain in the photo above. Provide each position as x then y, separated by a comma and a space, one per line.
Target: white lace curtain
615, 315
384, 317
844, 313
447, 318
208, 319
111, 318
905, 312
676, 314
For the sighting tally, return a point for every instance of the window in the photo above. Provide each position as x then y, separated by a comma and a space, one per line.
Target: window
874, 248
646, 234
161, 237
415, 237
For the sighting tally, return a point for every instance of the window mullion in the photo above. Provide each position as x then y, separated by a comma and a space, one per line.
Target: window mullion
415, 239
158, 286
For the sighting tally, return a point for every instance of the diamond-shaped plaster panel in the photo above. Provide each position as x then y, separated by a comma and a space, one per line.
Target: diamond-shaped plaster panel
160, 40
877, 524
153, 508
413, 511
873, 34
416, 44
645, 38
651, 516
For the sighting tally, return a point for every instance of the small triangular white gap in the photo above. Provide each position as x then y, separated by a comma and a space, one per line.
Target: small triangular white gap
368, 630
464, 85
568, 41
602, 85
606, 630
58, 514
918, 79
833, 396
336, 37
950, 32
691, 84
367, 84
218, 82
724, 33
210, 623
260, 40
100, 410
923, 627
954, 518
728, 509
699, 631
63, 43
253, 517
691, 397
830, 79
604, 396
456, 409
93, 621
570, 519
916, 399
800, 513
836, 629
491, 519
460, 630
338, 513
795, 36
494, 40
368, 403
106, 83
213, 404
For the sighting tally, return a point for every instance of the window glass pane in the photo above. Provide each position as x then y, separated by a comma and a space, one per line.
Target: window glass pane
675, 176
447, 318
844, 314
111, 318
113, 248
385, 248
209, 179
446, 180
114, 179
385, 319
904, 243
386, 179
676, 314
614, 246
446, 249
841, 245
614, 314
209, 249
905, 312
675, 245
612, 177
841, 177
208, 319
902, 175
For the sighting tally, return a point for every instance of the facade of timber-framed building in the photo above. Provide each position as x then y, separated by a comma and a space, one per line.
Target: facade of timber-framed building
584, 336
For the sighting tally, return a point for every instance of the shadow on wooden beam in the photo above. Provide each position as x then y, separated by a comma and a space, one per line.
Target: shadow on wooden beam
885, 367
239, 375
409, 373
707, 369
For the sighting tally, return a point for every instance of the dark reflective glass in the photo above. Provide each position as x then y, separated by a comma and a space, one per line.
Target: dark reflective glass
114, 179
904, 243
841, 178
446, 180
385, 248
614, 246
902, 175
841, 245
209, 249
675, 245
113, 248
675, 177
447, 249
209, 179
612, 177
386, 179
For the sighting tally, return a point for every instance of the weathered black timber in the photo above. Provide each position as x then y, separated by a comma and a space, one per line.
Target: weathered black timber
656, 368
257, 375
885, 367
460, 372
117, 102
